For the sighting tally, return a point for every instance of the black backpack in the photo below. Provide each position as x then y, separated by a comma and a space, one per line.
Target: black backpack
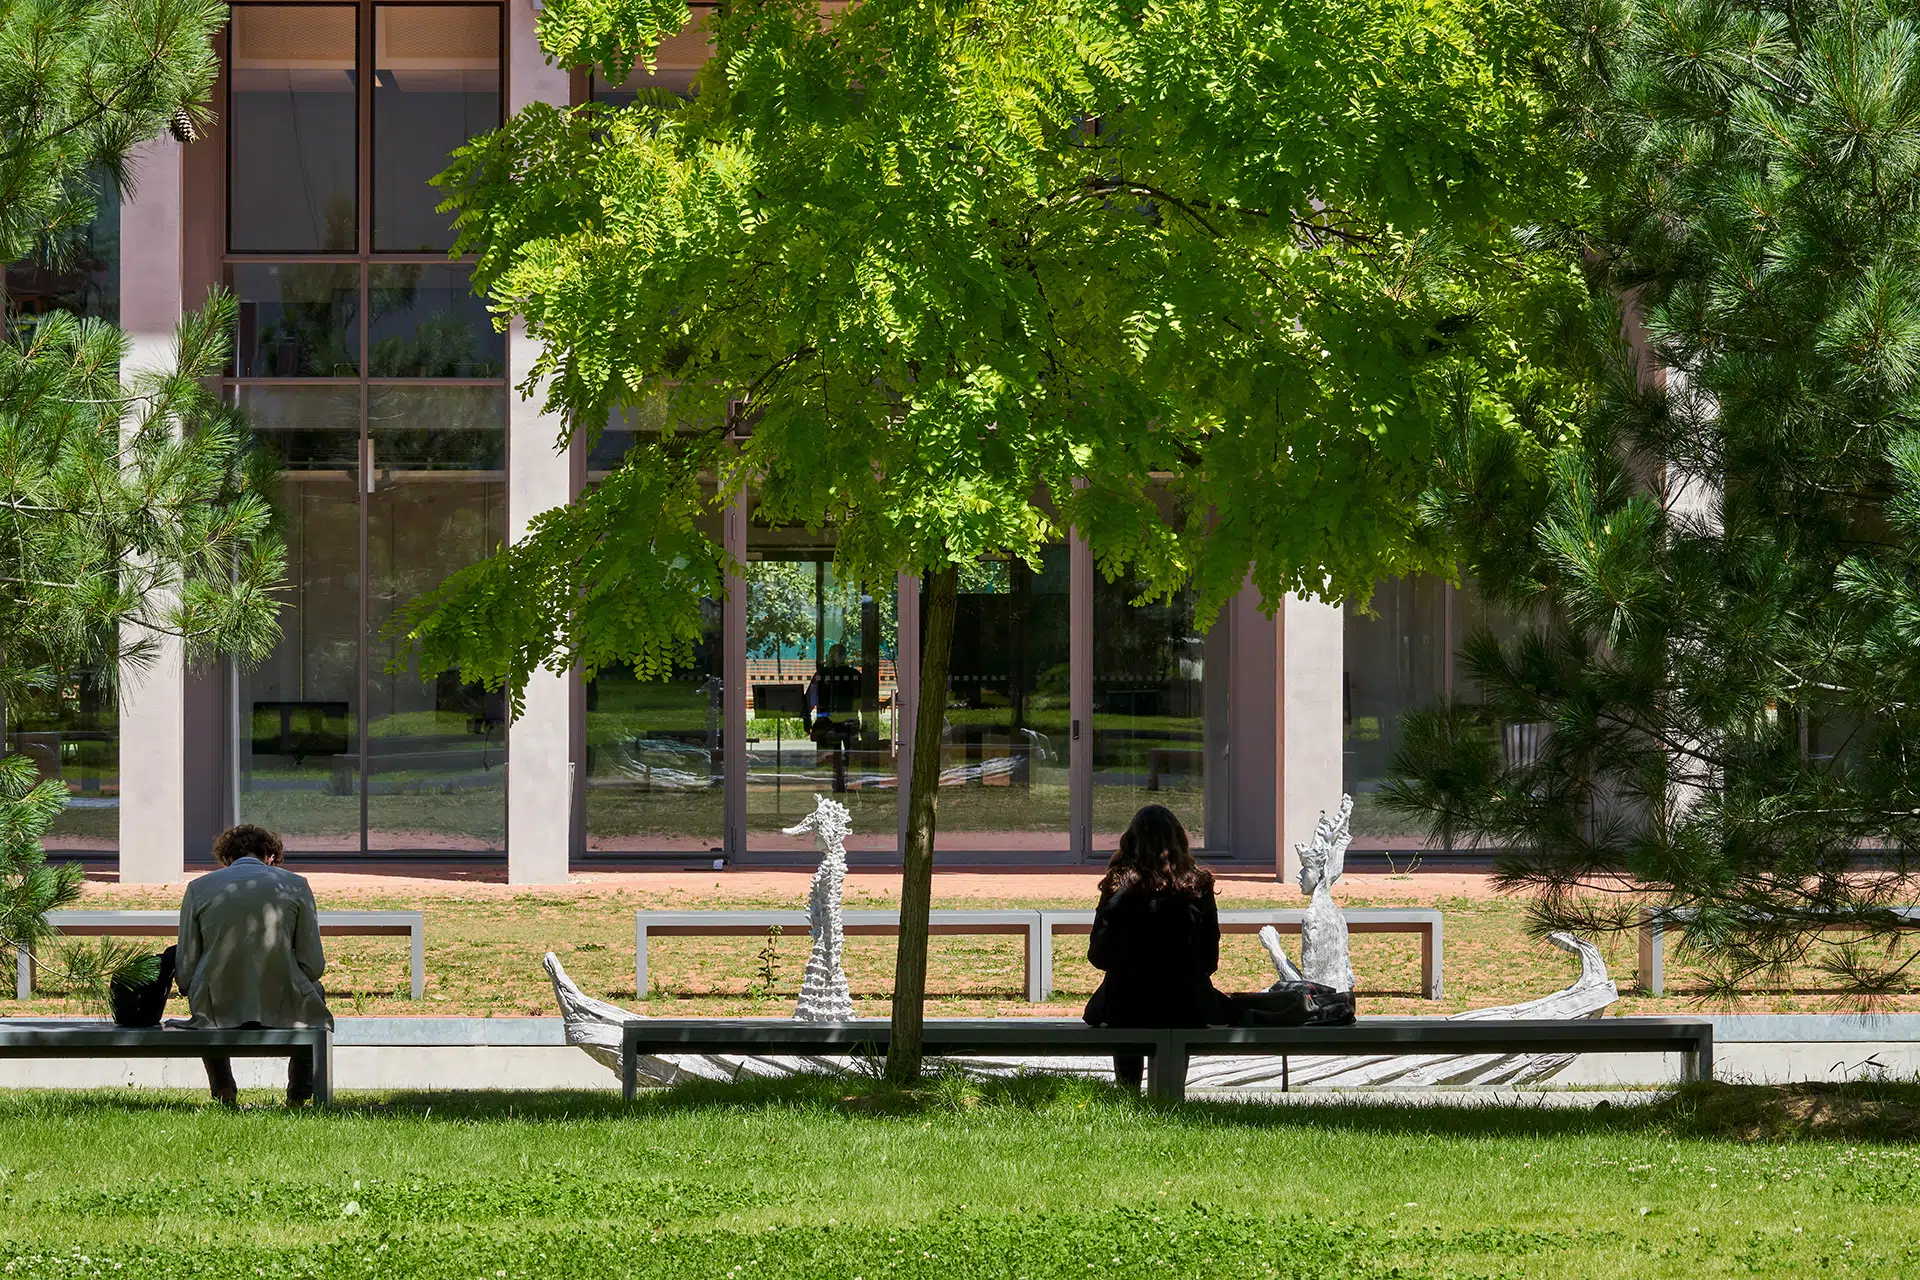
1295, 1004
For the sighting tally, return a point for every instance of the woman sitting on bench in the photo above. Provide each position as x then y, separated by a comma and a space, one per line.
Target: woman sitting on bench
249, 952
1156, 935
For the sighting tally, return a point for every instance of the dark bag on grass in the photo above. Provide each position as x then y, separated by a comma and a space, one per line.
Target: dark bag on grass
143, 1004
1294, 1004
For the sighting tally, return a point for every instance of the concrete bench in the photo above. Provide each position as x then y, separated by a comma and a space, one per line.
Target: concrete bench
1653, 942
683, 924
1424, 921
1168, 1051
166, 924
22, 1038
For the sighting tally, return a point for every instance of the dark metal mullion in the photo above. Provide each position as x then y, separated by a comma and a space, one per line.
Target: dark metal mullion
363, 233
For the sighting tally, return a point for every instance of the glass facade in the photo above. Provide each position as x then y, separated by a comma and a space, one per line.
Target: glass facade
1004, 765
374, 376
822, 693
1401, 656
1398, 659
71, 732
85, 279
293, 129
1159, 724
436, 84
296, 320
378, 382
298, 716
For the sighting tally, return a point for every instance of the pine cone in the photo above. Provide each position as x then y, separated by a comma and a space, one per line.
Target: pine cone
181, 127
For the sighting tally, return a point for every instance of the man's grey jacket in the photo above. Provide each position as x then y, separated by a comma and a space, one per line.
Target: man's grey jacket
250, 949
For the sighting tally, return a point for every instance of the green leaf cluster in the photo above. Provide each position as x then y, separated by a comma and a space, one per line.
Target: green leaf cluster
1200, 278
82, 82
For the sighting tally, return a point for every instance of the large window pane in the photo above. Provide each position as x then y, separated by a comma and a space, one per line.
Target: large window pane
822, 690
427, 323
70, 729
1396, 661
655, 765
87, 281
292, 121
436, 84
1003, 768
437, 747
297, 727
1159, 725
297, 320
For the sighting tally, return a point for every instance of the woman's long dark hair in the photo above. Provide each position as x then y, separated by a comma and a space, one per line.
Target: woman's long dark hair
1154, 855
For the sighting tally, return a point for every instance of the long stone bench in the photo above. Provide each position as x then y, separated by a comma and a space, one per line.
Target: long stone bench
681, 924
21, 1038
1424, 921
166, 924
1653, 942
1168, 1051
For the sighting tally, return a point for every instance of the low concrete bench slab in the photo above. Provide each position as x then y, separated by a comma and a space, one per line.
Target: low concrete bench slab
863, 1037
683, 924
166, 924
1424, 921
1653, 942
1168, 1051
25, 1038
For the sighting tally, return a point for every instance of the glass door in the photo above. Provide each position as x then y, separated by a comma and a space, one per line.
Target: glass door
822, 695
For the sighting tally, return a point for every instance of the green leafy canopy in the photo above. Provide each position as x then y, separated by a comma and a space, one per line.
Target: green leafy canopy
1199, 279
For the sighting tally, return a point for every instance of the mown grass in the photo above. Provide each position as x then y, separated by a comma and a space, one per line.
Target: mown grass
483, 958
1029, 1178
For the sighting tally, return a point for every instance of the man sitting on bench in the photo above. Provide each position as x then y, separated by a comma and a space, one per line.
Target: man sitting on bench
249, 952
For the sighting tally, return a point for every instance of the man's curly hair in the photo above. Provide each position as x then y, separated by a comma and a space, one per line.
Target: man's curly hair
247, 841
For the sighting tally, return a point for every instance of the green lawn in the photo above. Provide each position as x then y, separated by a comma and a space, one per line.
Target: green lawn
1030, 1179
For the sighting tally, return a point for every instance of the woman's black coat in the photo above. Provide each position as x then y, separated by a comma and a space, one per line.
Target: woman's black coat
1159, 952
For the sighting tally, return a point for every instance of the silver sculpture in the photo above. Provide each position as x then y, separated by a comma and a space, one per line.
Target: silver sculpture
1324, 957
823, 989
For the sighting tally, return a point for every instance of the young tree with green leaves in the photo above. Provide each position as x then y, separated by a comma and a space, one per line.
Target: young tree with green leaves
128, 510
1197, 279
1715, 709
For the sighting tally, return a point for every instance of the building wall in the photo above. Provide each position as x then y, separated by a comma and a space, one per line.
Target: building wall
364, 363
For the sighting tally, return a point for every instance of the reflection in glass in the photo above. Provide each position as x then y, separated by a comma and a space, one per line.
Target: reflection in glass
436, 747
676, 64
1396, 661
296, 736
426, 322
292, 121
1003, 769
297, 320
1159, 727
84, 279
436, 86
655, 768
821, 697
70, 729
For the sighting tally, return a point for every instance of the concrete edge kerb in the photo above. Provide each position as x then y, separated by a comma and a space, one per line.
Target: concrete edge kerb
1771, 1028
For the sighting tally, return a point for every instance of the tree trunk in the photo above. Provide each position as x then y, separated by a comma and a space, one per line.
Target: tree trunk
916, 871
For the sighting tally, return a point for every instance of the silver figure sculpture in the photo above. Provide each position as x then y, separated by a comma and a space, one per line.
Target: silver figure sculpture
824, 996
1324, 957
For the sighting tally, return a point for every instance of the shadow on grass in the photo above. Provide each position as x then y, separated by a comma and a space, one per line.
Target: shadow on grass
1880, 1112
